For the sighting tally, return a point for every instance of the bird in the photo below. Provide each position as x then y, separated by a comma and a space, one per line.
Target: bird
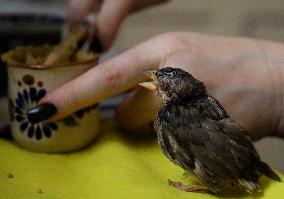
195, 132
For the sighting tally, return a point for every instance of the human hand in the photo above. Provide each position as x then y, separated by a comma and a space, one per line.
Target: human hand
245, 75
109, 16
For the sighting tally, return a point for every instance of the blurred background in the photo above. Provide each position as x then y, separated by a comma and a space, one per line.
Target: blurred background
40, 21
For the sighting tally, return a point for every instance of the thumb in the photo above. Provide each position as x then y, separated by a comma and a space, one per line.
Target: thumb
77, 11
109, 18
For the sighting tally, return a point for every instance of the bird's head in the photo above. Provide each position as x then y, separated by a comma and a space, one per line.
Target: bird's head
174, 85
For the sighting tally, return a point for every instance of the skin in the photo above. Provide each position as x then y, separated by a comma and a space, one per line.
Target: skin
109, 14
245, 75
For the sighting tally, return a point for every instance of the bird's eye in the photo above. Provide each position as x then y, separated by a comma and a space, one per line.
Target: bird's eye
171, 74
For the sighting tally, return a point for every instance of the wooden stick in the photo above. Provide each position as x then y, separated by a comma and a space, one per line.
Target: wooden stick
67, 47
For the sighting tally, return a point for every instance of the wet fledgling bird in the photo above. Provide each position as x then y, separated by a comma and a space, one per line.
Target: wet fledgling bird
195, 132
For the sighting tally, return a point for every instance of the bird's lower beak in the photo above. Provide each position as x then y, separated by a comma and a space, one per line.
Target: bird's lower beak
151, 85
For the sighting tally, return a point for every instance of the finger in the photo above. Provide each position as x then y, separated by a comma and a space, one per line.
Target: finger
77, 11
141, 4
109, 18
107, 79
111, 15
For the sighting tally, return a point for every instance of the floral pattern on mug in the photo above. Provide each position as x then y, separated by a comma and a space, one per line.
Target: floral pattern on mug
28, 96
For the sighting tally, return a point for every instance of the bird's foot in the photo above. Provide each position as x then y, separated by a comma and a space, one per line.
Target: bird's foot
188, 188
185, 175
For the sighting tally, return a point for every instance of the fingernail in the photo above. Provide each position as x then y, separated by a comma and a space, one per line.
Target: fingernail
82, 42
41, 112
86, 24
96, 45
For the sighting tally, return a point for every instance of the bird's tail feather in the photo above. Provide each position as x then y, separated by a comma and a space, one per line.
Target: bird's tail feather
266, 170
250, 186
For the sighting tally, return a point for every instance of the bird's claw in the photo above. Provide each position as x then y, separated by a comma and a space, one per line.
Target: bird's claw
188, 188
184, 176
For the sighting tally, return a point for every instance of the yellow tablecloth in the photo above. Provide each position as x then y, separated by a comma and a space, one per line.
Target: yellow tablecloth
114, 166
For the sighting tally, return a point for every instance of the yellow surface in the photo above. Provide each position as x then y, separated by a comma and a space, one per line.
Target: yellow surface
116, 165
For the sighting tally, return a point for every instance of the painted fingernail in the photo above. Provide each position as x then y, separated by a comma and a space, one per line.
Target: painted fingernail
82, 42
41, 112
96, 45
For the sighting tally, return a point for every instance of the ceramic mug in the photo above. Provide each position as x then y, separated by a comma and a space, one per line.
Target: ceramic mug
27, 84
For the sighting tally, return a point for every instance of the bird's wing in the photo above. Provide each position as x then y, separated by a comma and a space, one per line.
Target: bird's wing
225, 149
167, 128
222, 147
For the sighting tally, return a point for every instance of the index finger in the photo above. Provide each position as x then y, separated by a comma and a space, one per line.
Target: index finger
107, 79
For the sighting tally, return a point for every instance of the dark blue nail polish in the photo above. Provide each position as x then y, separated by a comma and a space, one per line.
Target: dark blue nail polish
82, 42
41, 112
96, 45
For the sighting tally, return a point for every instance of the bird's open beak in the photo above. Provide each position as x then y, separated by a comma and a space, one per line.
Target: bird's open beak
151, 85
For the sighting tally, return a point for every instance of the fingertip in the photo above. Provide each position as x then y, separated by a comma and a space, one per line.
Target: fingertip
96, 45
41, 112
77, 11
103, 36
72, 8
109, 19
63, 99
